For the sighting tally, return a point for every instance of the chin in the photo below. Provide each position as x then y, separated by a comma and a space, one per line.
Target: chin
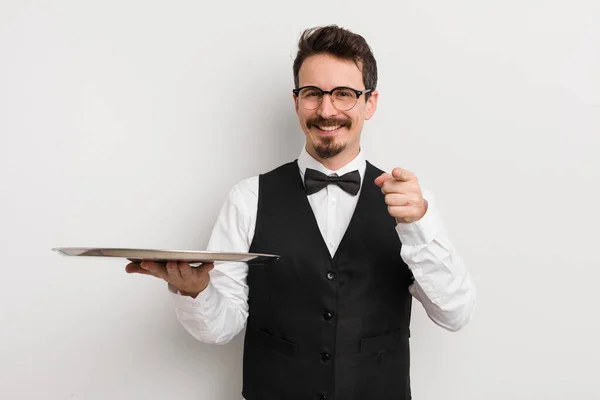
328, 148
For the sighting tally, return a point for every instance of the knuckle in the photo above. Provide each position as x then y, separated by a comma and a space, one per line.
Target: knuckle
171, 265
184, 268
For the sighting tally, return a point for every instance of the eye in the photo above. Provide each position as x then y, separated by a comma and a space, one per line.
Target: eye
345, 94
309, 93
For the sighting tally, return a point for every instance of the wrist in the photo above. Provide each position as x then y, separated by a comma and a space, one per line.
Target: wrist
189, 294
193, 292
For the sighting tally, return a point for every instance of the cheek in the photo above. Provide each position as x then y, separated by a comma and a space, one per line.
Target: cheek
304, 116
357, 124
356, 118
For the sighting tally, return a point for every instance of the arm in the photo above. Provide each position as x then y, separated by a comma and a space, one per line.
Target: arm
442, 283
220, 311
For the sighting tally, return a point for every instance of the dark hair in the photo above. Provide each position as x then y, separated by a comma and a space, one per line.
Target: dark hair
341, 43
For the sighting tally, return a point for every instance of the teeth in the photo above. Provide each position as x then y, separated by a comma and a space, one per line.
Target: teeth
329, 128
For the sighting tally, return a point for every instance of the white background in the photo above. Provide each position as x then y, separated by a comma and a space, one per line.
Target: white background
125, 123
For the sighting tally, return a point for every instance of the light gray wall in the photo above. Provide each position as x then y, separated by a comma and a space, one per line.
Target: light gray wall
125, 123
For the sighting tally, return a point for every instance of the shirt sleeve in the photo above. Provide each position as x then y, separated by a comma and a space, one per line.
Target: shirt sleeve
220, 311
442, 283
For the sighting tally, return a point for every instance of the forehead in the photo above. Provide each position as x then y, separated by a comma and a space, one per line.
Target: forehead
327, 72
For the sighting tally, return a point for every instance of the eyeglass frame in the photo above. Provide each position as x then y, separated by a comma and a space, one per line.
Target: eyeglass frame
330, 92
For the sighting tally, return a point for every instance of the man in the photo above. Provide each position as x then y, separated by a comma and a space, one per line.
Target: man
330, 319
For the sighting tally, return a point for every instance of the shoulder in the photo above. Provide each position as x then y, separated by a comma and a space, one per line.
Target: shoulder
282, 169
248, 189
245, 189
374, 168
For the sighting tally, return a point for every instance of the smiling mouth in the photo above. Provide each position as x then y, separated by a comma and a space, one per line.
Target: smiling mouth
328, 128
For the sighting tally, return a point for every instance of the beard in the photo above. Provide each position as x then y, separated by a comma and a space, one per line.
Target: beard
327, 147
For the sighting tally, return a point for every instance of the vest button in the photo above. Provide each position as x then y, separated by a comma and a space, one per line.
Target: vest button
325, 357
327, 316
331, 275
322, 397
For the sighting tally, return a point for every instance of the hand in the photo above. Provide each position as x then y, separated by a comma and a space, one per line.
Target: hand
402, 195
190, 281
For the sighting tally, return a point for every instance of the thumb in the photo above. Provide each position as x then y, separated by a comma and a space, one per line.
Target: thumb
400, 174
381, 179
204, 268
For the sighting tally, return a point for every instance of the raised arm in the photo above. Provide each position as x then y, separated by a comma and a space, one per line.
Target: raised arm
442, 283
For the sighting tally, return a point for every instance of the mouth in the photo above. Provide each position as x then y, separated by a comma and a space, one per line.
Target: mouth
328, 130
328, 126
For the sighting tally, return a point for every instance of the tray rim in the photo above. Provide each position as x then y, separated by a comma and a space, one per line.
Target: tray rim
187, 255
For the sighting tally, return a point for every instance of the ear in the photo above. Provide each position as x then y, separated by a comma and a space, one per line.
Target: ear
372, 104
295, 102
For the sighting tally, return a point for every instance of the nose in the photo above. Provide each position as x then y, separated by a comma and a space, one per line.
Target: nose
326, 109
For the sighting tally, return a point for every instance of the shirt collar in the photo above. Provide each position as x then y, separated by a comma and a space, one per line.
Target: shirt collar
305, 160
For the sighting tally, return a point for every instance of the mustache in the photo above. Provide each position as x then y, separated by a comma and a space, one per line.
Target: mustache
327, 122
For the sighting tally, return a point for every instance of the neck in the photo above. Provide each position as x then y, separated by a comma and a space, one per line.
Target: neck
336, 162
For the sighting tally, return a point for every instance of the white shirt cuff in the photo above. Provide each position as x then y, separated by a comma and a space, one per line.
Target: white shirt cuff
205, 300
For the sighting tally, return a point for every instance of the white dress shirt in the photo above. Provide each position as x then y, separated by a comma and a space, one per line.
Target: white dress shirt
442, 284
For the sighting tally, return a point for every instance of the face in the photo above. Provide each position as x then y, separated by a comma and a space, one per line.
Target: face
331, 133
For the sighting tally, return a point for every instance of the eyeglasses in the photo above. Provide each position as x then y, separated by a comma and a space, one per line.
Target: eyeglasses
342, 98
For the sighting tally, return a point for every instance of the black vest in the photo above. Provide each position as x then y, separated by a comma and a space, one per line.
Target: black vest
322, 327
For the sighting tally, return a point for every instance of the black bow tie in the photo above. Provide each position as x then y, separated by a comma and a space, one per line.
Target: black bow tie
315, 181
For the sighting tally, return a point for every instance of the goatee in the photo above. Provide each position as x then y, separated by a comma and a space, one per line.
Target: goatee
328, 148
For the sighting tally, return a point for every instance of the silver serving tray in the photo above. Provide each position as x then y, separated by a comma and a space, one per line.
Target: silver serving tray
190, 256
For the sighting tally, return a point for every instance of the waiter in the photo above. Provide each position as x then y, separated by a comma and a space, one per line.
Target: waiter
330, 319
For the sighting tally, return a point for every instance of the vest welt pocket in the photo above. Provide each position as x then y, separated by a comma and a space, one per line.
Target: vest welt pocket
384, 342
273, 342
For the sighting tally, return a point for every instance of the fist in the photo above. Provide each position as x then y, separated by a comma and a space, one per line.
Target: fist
189, 280
403, 195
